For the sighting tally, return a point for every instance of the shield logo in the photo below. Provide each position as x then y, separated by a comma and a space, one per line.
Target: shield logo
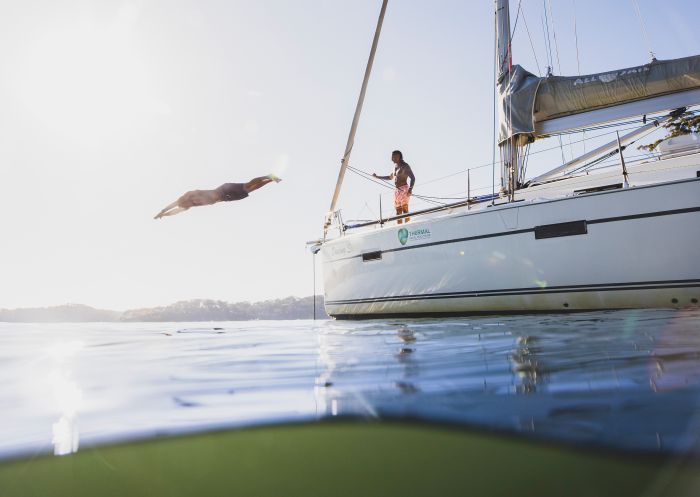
403, 236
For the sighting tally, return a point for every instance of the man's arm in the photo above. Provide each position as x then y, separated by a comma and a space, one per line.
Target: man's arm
390, 177
412, 177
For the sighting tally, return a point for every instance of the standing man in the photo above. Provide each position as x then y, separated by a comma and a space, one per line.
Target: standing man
402, 172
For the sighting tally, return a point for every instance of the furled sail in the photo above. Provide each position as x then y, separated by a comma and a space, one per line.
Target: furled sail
531, 106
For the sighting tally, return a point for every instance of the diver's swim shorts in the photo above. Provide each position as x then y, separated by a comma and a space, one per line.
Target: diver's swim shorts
232, 191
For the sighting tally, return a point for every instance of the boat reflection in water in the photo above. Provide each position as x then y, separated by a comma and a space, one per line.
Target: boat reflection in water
626, 380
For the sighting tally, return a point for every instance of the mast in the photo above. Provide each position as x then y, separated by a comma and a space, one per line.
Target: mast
356, 119
503, 39
507, 142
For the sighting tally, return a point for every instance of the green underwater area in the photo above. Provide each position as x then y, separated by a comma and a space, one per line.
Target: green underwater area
348, 458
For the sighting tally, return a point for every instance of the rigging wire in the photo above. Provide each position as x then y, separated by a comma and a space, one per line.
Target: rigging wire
547, 40
561, 147
511, 150
362, 209
612, 153
628, 125
371, 178
487, 164
578, 59
578, 62
608, 160
548, 44
515, 24
559, 71
426, 198
526, 161
644, 30
532, 45
493, 82
554, 34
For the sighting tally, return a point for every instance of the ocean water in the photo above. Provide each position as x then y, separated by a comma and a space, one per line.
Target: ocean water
625, 380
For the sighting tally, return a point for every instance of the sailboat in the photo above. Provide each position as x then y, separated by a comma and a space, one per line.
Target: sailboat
613, 238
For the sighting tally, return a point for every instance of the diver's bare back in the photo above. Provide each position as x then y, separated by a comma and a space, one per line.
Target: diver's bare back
225, 193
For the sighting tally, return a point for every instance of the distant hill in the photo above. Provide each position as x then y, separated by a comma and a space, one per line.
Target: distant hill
188, 310
74, 313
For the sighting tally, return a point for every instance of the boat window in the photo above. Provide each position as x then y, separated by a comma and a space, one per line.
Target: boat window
561, 229
595, 189
372, 256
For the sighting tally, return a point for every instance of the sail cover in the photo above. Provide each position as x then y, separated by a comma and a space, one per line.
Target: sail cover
526, 100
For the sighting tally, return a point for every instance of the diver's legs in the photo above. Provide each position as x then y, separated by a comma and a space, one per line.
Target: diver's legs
162, 213
172, 212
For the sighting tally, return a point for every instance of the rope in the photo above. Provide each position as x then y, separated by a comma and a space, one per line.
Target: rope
367, 176
644, 30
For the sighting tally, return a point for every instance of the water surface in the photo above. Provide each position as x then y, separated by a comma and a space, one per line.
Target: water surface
625, 380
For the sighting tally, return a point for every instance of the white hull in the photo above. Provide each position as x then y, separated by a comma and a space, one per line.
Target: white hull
626, 248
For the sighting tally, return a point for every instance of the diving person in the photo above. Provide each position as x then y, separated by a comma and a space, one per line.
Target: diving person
225, 193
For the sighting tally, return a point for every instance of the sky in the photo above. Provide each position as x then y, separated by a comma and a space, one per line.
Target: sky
110, 110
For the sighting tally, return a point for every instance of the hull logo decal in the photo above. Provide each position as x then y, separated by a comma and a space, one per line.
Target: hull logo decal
406, 235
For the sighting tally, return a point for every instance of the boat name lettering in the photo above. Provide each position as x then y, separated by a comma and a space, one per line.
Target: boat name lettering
341, 249
609, 77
